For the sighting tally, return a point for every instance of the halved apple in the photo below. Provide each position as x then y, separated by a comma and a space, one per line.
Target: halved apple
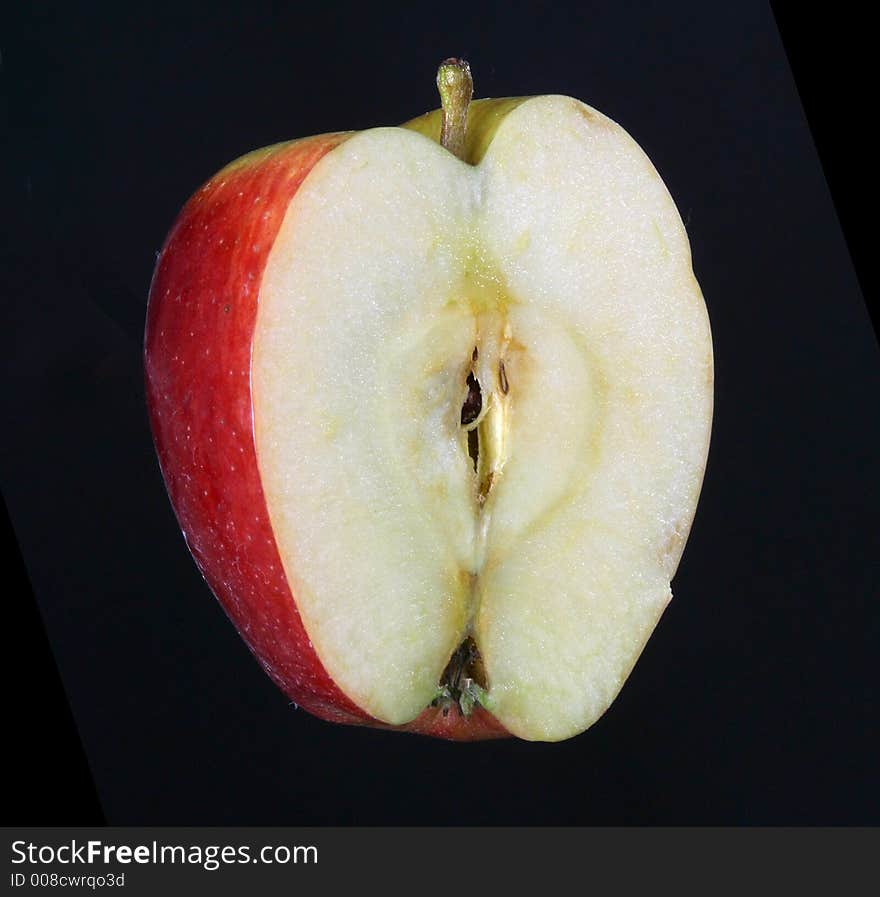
435, 427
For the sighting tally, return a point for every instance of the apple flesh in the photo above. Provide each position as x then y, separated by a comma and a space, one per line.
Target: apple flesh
435, 428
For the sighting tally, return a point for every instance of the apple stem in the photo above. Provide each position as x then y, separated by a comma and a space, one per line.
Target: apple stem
456, 88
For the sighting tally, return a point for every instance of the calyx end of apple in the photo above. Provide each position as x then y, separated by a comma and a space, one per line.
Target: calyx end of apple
464, 681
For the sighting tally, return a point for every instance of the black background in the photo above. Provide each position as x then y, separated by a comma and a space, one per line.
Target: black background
754, 702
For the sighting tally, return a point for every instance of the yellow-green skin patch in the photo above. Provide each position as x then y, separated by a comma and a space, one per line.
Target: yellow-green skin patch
484, 117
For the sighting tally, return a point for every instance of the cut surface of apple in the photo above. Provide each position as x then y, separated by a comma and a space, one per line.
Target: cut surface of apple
546, 286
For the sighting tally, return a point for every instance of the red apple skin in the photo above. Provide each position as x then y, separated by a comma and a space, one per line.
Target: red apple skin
199, 331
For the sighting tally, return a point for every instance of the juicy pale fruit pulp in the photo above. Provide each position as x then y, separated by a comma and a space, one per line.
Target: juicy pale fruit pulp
557, 272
